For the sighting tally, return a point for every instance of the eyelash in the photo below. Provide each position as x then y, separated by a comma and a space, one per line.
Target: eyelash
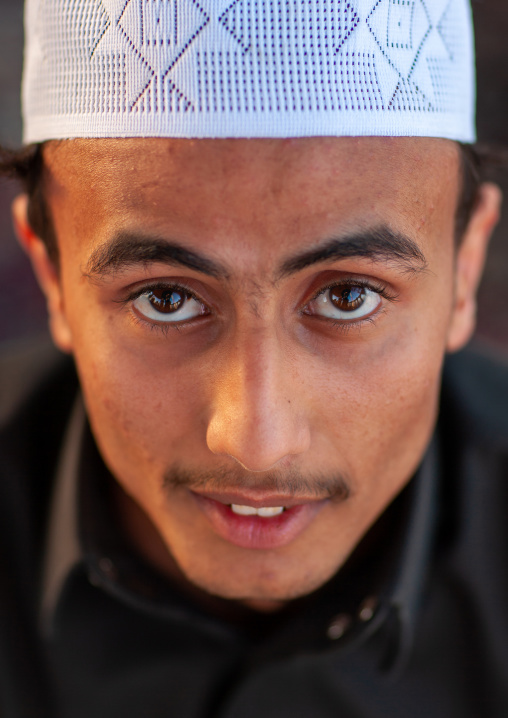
163, 327
344, 326
374, 286
162, 286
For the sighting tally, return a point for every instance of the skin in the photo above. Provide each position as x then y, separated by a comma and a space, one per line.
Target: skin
261, 387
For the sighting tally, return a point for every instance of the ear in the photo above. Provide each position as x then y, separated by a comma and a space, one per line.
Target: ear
46, 273
469, 266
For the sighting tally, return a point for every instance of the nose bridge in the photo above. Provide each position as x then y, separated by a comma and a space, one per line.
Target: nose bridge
256, 418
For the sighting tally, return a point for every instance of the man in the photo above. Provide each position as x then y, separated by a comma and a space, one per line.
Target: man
258, 236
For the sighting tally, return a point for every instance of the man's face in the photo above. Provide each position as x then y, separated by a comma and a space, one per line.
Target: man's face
258, 323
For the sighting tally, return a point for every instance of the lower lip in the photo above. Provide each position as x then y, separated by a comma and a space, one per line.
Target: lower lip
257, 532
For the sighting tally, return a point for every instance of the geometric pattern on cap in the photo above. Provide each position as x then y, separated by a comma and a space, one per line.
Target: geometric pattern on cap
202, 68
241, 19
155, 34
414, 47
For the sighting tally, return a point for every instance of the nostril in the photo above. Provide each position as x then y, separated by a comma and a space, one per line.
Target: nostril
258, 446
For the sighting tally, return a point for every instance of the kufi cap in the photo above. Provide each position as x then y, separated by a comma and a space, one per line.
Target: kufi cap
248, 68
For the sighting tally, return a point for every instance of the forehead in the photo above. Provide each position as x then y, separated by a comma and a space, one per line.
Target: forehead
249, 186
166, 160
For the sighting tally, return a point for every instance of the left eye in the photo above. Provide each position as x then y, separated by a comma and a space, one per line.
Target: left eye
345, 302
168, 304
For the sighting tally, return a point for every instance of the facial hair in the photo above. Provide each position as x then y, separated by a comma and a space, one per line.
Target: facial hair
291, 483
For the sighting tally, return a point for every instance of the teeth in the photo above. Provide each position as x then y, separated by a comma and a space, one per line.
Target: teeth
266, 512
269, 511
243, 510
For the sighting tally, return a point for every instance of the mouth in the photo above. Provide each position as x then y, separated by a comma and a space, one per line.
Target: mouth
255, 520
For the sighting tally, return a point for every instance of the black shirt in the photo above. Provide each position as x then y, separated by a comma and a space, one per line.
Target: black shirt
413, 625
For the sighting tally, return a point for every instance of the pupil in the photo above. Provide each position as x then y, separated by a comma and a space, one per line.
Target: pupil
347, 298
166, 301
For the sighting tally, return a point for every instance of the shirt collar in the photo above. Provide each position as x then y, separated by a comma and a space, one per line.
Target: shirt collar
405, 595
62, 549
80, 531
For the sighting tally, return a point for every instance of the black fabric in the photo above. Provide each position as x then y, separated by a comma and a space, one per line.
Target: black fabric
39, 394
126, 643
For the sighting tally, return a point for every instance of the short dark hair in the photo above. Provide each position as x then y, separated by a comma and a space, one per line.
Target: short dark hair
26, 165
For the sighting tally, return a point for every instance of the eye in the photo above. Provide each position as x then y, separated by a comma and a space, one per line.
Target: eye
168, 304
345, 302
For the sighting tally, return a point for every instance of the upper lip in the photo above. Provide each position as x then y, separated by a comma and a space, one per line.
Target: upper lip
257, 499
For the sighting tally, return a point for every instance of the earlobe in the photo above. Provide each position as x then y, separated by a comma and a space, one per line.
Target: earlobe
470, 262
46, 273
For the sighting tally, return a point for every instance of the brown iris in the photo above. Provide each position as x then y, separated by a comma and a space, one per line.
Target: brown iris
348, 297
166, 301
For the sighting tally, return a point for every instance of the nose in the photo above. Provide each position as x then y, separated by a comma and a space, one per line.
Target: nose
258, 416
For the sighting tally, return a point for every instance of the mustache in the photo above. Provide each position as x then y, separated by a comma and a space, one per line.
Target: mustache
291, 483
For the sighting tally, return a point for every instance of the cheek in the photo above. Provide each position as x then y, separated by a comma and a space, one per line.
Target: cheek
381, 402
142, 411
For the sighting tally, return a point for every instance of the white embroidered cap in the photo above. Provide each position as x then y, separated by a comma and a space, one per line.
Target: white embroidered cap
248, 68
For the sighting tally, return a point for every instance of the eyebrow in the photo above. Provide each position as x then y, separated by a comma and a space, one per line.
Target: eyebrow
379, 244
126, 250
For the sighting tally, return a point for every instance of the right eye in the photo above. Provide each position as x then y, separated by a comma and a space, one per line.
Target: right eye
168, 304
346, 302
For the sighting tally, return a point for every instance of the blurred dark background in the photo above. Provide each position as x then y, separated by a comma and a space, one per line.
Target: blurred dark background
22, 308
